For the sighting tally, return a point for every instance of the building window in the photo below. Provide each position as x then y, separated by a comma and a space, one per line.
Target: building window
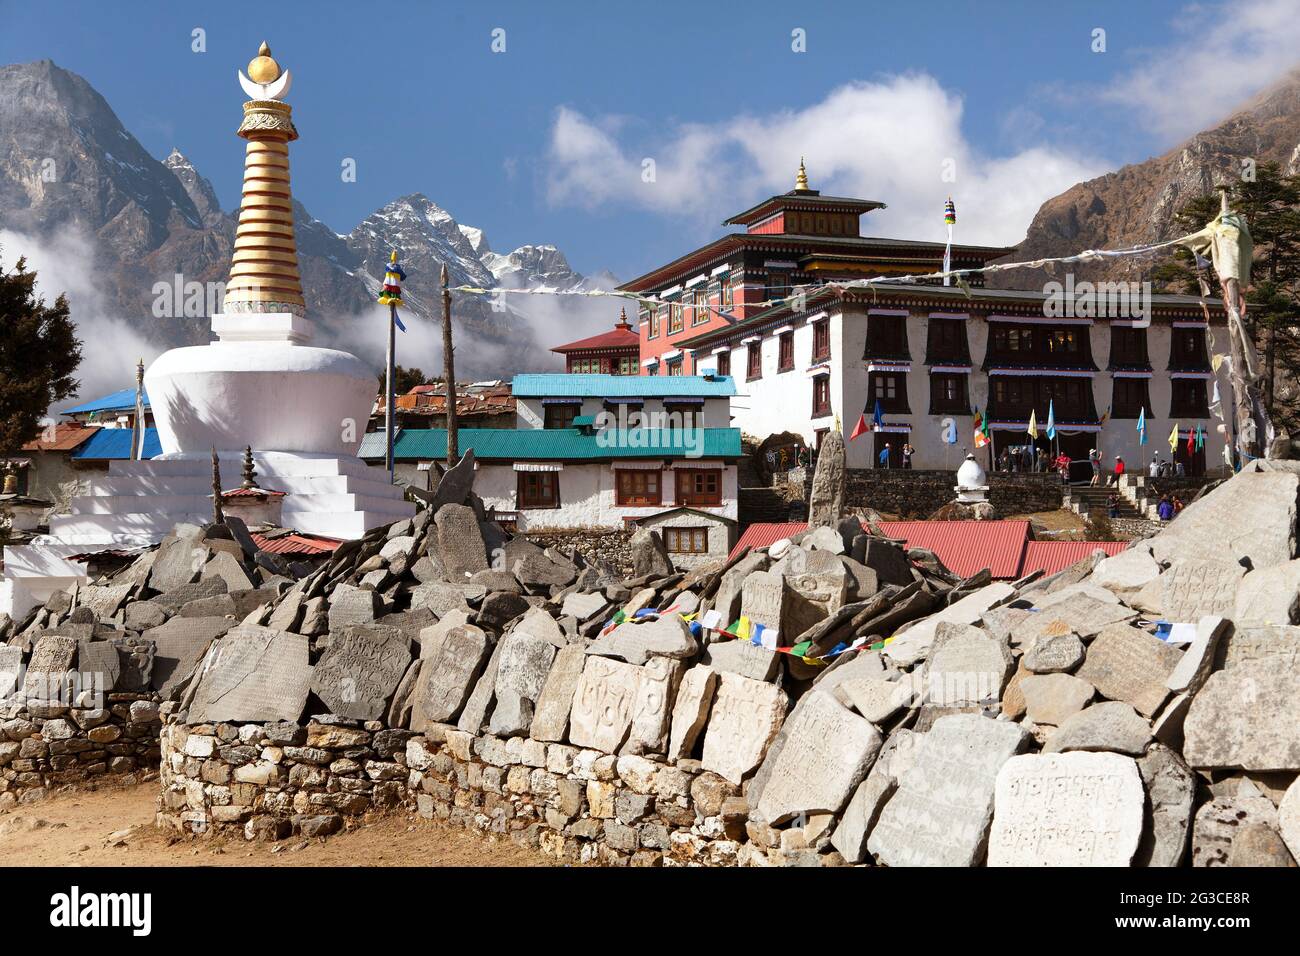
635, 488
755, 361
585, 366
626, 365
653, 314
890, 389
726, 294
561, 416
948, 394
724, 362
539, 489
700, 307
1129, 397
1027, 345
699, 487
946, 342
785, 352
1187, 351
674, 318
687, 415
1188, 399
1128, 348
821, 341
686, 540
675, 366
887, 337
777, 285
821, 396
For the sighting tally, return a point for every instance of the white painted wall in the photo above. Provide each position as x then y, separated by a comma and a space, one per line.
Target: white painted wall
721, 536
531, 413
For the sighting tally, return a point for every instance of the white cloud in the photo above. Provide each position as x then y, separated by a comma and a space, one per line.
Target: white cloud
1226, 54
887, 139
110, 345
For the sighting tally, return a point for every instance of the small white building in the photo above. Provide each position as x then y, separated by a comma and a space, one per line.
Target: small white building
600, 452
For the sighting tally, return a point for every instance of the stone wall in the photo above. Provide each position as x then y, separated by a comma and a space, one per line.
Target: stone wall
268, 781
918, 494
51, 747
591, 543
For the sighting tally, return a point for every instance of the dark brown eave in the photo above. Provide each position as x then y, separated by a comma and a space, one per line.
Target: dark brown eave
802, 199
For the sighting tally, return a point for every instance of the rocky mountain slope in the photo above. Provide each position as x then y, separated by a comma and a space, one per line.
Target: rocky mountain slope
1136, 203
80, 171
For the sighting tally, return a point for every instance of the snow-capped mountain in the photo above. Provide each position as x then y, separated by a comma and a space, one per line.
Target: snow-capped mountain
79, 170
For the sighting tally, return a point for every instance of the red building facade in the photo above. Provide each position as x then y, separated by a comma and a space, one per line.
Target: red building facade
610, 353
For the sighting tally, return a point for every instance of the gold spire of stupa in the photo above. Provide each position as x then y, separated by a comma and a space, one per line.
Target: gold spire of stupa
801, 177
264, 268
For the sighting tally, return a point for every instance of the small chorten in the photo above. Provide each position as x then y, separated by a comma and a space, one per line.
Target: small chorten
972, 490
801, 179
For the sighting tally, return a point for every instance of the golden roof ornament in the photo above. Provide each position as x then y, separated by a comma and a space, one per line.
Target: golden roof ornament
262, 68
265, 79
801, 177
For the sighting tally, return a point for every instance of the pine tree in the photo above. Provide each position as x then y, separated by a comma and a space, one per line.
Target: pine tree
39, 352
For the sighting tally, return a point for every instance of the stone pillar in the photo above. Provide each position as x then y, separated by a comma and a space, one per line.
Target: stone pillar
826, 499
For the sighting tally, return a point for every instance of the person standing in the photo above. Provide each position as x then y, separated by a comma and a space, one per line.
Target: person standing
884, 455
908, 452
1094, 459
1119, 470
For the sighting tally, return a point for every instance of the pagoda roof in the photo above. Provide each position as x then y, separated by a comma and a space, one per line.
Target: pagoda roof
801, 199
613, 339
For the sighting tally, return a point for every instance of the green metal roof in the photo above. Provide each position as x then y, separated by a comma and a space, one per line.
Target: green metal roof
567, 385
564, 444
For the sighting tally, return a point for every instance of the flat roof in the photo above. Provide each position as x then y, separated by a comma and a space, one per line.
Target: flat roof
578, 385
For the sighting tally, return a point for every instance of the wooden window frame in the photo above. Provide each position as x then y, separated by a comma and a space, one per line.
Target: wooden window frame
687, 479
823, 408
898, 404
940, 404
634, 499
673, 537
675, 317
1122, 409
1180, 406
573, 407
533, 502
785, 352
821, 348
754, 361
724, 362
699, 306
726, 293
652, 331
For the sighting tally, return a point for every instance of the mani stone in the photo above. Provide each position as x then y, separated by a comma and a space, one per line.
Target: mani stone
878, 699
136, 656
47, 671
1054, 698
178, 561
743, 658
1276, 642
536, 570
746, 716
1269, 596
1191, 589
1251, 515
11, 666
602, 704
98, 666
1220, 823
691, 710
967, 666
451, 663
635, 643
649, 555
1077, 809
763, 599
475, 712
1054, 653
914, 643
551, 715
440, 598
727, 601
521, 675
1171, 793
104, 601
652, 708
179, 645
583, 605
941, 812
826, 496
358, 673
1127, 572
1110, 725
1192, 669
888, 560
1127, 664
353, 605
820, 579
1288, 818
828, 751
460, 542
225, 566
1247, 716
252, 674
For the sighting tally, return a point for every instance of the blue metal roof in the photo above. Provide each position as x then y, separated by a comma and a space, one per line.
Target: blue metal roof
118, 401
116, 443
557, 384
558, 444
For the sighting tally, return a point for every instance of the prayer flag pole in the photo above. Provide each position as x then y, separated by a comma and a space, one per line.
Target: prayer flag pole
950, 219
391, 296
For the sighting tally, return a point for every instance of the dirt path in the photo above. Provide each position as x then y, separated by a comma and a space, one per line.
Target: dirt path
86, 829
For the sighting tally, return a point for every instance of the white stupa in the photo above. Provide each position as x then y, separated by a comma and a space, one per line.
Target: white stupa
303, 409
972, 483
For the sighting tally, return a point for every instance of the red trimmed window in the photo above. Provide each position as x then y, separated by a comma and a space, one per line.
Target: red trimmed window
636, 488
539, 489
687, 540
699, 486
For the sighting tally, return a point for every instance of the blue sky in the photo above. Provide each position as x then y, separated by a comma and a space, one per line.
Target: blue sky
546, 141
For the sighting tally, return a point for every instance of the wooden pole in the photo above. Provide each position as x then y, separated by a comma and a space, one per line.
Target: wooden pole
218, 516
389, 386
449, 372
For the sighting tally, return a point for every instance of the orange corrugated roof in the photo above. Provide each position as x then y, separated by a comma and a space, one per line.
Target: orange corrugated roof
765, 535
295, 544
1053, 556
67, 436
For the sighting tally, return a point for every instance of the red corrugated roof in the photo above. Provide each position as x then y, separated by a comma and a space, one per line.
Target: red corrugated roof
295, 544
1053, 556
965, 547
